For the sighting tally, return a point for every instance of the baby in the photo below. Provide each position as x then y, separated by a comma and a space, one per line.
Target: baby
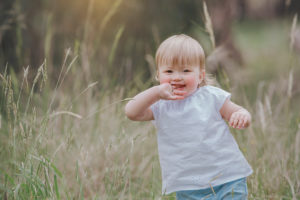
199, 157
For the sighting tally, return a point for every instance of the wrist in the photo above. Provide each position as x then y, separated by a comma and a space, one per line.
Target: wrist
242, 110
157, 92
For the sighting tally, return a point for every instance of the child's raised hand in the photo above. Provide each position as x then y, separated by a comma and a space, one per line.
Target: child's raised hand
168, 93
240, 119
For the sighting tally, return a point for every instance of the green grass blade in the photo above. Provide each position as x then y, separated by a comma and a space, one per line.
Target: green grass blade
56, 187
115, 45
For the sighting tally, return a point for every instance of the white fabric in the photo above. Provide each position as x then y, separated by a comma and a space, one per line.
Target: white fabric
196, 148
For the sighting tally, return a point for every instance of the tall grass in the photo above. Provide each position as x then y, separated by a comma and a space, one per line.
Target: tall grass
62, 154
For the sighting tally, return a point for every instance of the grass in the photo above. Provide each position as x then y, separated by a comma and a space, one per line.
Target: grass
74, 141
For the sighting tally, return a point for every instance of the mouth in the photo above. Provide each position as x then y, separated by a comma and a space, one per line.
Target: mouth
178, 86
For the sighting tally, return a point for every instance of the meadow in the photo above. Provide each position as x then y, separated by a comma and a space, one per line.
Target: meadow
65, 138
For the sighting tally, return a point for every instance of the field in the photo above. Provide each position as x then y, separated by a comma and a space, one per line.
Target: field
66, 140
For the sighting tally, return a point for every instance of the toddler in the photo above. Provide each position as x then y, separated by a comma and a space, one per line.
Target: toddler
199, 157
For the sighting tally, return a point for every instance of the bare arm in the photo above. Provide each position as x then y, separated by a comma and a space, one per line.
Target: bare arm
237, 116
138, 109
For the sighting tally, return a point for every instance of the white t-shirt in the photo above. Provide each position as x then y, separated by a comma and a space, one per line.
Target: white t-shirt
196, 148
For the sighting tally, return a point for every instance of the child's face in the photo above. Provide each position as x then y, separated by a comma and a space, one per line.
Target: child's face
181, 78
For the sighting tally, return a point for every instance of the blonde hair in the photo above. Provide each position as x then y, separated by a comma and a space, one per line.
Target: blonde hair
181, 50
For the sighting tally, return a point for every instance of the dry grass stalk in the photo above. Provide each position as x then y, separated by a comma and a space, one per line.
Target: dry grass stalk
293, 31
67, 113
290, 84
262, 115
208, 25
22, 84
108, 106
291, 186
297, 146
109, 15
39, 72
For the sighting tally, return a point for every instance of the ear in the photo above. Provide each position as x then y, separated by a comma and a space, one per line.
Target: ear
157, 76
202, 75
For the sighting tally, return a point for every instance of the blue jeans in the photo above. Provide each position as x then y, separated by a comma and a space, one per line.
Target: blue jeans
234, 190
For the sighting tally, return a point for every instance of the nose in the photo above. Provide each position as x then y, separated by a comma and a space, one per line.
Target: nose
177, 76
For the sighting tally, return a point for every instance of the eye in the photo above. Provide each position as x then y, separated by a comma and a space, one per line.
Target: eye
186, 70
169, 71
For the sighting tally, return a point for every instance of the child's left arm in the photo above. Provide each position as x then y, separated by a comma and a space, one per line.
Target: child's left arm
237, 116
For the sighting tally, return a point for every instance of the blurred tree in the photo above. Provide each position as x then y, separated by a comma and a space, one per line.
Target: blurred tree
224, 14
20, 34
8, 34
264, 9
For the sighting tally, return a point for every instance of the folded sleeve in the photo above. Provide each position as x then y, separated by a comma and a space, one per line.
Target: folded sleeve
220, 97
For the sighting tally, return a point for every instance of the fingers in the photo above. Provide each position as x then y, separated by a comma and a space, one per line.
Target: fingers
168, 93
176, 97
239, 121
234, 123
179, 92
247, 122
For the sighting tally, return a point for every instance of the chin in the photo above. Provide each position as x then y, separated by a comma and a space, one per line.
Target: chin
187, 94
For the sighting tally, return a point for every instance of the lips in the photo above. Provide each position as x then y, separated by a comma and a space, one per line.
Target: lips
178, 86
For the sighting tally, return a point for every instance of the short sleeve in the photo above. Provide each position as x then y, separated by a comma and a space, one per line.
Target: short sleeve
220, 97
155, 111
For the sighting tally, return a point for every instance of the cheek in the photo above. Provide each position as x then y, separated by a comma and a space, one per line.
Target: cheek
192, 81
164, 80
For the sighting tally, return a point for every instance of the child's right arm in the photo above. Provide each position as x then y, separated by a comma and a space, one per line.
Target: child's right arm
138, 109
